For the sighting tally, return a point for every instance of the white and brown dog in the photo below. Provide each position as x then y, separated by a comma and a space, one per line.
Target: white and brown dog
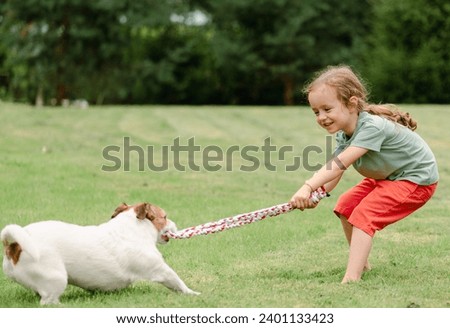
46, 256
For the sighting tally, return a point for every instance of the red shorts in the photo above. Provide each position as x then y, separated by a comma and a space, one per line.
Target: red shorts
372, 204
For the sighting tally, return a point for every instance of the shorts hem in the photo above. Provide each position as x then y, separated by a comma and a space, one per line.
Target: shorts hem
371, 232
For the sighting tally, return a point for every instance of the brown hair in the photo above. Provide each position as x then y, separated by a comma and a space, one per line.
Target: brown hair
348, 84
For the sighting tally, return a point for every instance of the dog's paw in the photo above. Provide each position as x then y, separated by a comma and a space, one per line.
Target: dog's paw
192, 292
49, 301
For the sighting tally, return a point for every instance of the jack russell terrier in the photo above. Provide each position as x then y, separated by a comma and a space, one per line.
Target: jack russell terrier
46, 256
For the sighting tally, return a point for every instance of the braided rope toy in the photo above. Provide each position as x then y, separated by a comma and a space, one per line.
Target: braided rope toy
241, 219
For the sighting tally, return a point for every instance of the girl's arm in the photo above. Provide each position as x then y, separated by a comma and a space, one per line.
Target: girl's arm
329, 174
329, 186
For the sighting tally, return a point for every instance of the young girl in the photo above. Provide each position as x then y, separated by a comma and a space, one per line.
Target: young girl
399, 169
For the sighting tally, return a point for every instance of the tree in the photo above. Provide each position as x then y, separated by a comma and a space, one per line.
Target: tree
170, 64
409, 57
263, 44
73, 48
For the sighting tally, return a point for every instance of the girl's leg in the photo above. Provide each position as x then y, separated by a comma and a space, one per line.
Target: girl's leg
360, 246
348, 229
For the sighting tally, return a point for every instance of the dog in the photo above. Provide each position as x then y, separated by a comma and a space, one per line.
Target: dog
46, 256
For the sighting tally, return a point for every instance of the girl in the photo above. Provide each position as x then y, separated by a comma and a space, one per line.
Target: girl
399, 168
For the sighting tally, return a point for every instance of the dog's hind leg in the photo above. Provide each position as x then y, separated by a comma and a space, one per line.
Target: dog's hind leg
51, 290
50, 283
49, 298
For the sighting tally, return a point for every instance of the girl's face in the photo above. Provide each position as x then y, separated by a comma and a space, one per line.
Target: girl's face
331, 113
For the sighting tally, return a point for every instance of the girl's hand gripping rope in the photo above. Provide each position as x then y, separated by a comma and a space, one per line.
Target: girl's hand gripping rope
318, 194
306, 197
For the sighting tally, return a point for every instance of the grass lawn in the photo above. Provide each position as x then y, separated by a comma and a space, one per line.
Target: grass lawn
60, 164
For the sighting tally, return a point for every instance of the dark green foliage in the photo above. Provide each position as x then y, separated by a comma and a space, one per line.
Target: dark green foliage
73, 48
243, 52
409, 57
277, 44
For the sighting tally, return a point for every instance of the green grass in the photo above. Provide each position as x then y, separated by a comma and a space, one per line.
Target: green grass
50, 168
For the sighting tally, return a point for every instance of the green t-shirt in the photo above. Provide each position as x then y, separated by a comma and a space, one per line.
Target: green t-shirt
395, 152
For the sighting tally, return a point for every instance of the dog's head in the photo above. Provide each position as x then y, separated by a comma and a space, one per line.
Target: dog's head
155, 214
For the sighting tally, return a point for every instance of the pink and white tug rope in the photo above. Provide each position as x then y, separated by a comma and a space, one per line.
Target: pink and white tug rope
241, 219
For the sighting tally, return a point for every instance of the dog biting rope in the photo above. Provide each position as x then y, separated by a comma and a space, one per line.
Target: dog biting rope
241, 219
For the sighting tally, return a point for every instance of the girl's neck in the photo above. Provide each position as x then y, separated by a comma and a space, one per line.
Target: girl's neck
350, 128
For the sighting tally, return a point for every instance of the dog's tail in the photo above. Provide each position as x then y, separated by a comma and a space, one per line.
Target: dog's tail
15, 240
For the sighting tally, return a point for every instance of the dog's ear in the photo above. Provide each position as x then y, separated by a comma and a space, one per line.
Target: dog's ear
150, 210
122, 207
141, 211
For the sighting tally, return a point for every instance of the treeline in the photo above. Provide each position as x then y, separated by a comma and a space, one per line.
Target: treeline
219, 52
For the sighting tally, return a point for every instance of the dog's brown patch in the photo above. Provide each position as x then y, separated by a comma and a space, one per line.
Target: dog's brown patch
153, 213
158, 217
13, 252
142, 211
122, 207
146, 211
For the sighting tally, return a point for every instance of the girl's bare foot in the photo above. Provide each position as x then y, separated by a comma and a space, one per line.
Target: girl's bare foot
348, 279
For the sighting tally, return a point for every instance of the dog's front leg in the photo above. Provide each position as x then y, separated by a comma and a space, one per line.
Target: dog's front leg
169, 278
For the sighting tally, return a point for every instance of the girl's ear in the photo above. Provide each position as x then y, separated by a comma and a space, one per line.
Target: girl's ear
353, 103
